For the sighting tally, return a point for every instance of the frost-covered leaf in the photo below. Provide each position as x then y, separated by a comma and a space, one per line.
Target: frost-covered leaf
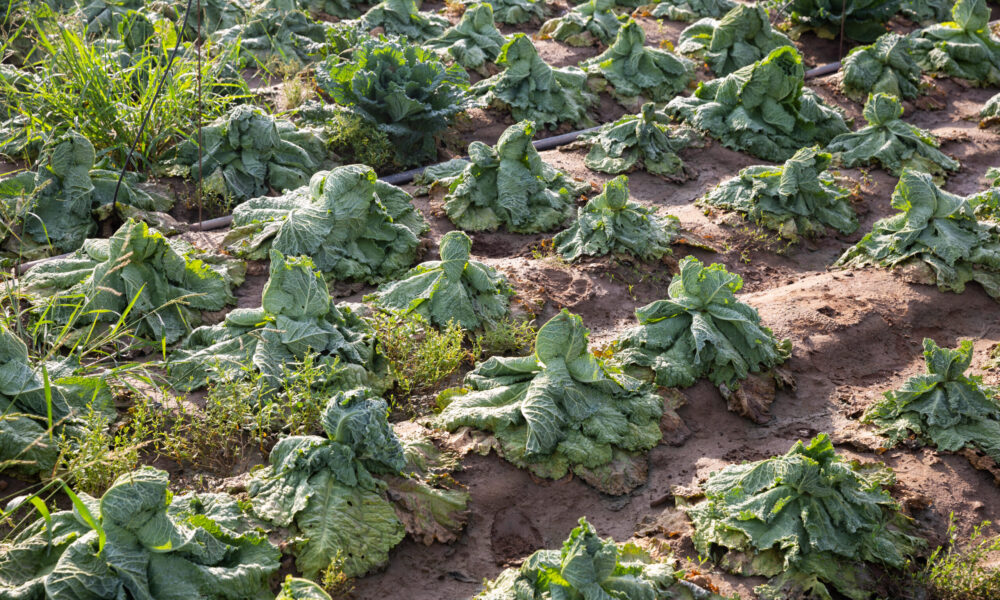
891, 142
327, 491
531, 89
610, 223
404, 18
964, 47
937, 234
861, 20
454, 288
634, 70
797, 198
514, 12
700, 330
159, 285
352, 225
248, 152
510, 186
763, 109
559, 409
297, 318
990, 113
887, 66
474, 41
686, 10
276, 31
592, 22
156, 545
405, 90
641, 141
809, 520
943, 407
742, 37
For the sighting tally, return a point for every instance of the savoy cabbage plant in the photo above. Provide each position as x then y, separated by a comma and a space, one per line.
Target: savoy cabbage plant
139, 540
561, 409
634, 73
247, 153
510, 186
891, 142
531, 89
702, 330
740, 38
887, 66
296, 318
58, 206
405, 90
646, 140
590, 567
942, 407
275, 32
332, 490
514, 12
454, 288
808, 520
404, 18
592, 22
38, 398
610, 223
474, 41
926, 11
860, 20
352, 225
763, 109
964, 47
138, 276
798, 198
687, 10
935, 236
990, 113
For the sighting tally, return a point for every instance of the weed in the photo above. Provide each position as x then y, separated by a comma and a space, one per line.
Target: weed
335, 581
962, 571
505, 338
355, 140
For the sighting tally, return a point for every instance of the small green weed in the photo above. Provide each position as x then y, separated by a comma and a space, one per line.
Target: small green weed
962, 571
505, 338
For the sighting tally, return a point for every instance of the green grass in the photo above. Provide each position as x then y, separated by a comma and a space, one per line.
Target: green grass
963, 570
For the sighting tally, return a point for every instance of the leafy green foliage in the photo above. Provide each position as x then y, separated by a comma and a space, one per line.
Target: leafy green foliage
936, 236
589, 567
30, 392
451, 289
610, 223
514, 12
510, 186
276, 33
560, 409
587, 24
885, 67
296, 318
59, 204
690, 10
990, 113
353, 226
808, 519
404, 18
962, 571
350, 137
474, 41
763, 109
797, 198
635, 71
861, 20
964, 47
327, 489
137, 276
296, 588
248, 152
641, 141
403, 89
700, 330
927, 11
942, 407
531, 89
742, 37
342, 9
140, 541
891, 142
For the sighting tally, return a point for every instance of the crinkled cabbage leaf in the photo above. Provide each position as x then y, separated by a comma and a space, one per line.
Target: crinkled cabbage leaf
404, 18
514, 12
887, 66
964, 47
860, 20
740, 38
589, 23
474, 41
990, 113
687, 10
276, 33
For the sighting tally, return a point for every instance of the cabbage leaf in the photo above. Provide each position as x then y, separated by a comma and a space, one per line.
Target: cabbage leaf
860, 20
514, 12
275, 33
474, 41
742, 37
687, 10
809, 520
990, 113
592, 22
352, 225
404, 18
560, 409
886, 66
610, 223
927, 11
763, 109
891, 142
964, 47
935, 236
454, 288
797, 198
